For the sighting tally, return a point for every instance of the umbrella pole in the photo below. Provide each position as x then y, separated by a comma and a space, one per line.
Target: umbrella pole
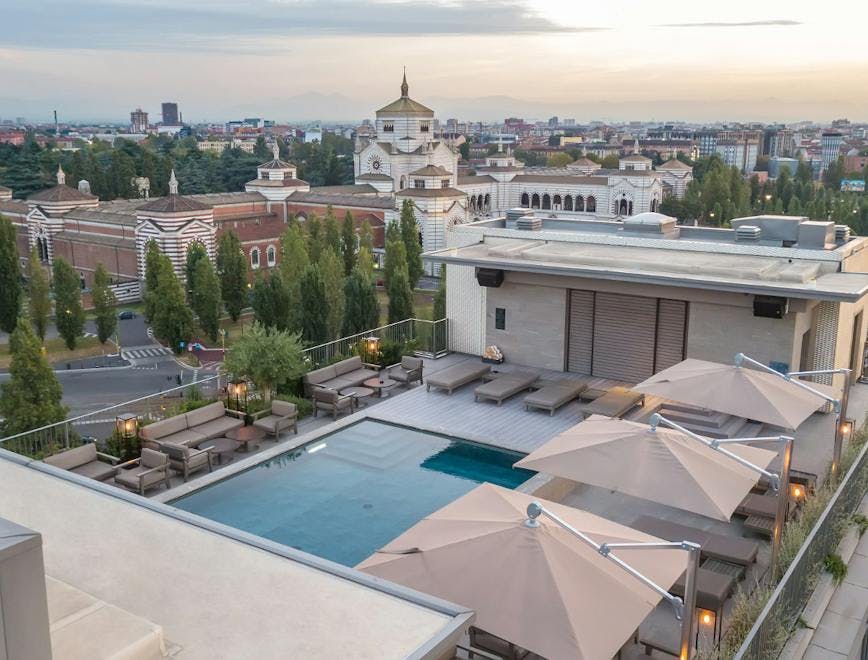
783, 505
840, 420
688, 615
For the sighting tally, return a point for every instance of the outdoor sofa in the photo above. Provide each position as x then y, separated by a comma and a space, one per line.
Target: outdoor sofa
617, 402
457, 375
351, 372
408, 371
149, 470
554, 395
280, 417
186, 460
85, 460
505, 386
194, 427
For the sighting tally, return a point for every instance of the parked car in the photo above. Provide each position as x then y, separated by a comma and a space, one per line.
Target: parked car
127, 314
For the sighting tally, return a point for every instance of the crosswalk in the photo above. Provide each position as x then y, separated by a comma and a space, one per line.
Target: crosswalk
145, 352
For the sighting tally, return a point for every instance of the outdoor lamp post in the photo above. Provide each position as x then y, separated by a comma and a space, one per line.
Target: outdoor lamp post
780, 483
127, 425
372, 347
843, 425
685, 610
237, 389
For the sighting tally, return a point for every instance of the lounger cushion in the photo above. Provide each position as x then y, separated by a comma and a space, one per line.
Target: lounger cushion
614, 403
765, 506
458, 375
712, 589
555, 395
733, 549
506, 385
205, 414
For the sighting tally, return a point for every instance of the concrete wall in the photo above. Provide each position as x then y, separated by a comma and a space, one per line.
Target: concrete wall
535, 323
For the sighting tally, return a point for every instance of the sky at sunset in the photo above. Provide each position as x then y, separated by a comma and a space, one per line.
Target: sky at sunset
340, 60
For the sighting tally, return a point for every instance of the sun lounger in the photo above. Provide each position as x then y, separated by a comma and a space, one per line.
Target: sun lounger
762, 506
730, 549
553, 396
505, 386
712, 589
616, 402
454, 377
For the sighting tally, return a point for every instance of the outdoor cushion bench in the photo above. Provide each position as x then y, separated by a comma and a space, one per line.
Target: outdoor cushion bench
730, 549
351, 372
616, 402
194, 427
505, 386
762, 506
554, 395
712, 589
455, 376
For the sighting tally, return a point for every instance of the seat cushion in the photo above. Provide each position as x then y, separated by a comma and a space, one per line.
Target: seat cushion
95, 470
411, 363
218, 428
129, 477
152, 459
205, 414
282, 408
73, 458
346, 366
188, 438
359, 376
161, 429
341, 382
319, 376
270, 423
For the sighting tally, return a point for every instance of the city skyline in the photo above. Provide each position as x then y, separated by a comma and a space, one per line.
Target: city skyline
300, 60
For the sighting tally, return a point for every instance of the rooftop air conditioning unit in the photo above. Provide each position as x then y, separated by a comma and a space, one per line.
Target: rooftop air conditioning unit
747, 233
842, 233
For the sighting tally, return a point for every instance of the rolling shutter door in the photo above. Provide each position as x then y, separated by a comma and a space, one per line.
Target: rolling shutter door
581, 333
671, 319
624, 337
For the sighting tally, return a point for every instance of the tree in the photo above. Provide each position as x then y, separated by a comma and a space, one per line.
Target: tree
440, 296
464, 150
104, 302
610, 162
400, 297
173, 320
271, 300
560, 160
152, 266
396, 253
365, 257
69, 314
10, 276
362, 308
206, 300
412, 245
232, 271
32, 396
314, 326
39, 289
195, 252
266, 356
332, 270
348, 243
261, 150
332, 231
293, 261
314, 238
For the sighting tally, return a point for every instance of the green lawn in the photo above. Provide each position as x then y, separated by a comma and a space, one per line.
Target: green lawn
56, 351
423, 304
235, 329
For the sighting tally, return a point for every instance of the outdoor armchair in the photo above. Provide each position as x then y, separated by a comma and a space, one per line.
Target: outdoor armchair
331, 401
186, 460
282, 416
408, 371
150, 469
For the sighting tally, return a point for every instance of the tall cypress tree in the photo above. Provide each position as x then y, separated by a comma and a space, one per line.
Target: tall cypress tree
39, 289
313, 303
104, 302
315, 238
152, 266
412, 244
232, 271
69, 314
173, 320
206, 297
293, 261
348, 243
332, 270
10, 277
31, 397
195, 252
440, 296
332, 231
362, 308
400, 297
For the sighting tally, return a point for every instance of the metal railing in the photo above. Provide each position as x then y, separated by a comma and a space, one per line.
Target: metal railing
791, 595
100, 424
431, 339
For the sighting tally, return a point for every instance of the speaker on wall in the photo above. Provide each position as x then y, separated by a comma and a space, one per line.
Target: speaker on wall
770, 307
492, 277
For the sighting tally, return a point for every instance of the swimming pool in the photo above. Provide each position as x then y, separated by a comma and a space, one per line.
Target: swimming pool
347, 494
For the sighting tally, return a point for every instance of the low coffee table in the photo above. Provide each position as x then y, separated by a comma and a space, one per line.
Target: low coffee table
357, 393
222, 447
244, 435
380, 384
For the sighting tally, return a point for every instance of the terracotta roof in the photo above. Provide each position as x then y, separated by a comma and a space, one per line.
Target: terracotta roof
674, 164
61, 193
474, 180
348, 189
431, 170
431, 192
88, 238
174, 204
558, 178
584, 162
405, 106
335, 199
373, 176
277, 183
14, 206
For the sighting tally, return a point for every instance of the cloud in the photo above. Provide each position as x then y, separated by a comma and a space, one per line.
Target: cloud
717, 24
198, 25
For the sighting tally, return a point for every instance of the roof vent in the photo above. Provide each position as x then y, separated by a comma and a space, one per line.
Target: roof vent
84, 186
514, 214
842, 234
529, 223
747, 234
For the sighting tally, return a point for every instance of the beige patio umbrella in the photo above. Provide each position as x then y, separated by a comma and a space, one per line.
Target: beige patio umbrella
533, 584
662, 465
736, 390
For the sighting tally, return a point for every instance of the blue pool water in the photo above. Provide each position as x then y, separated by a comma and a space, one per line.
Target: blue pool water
349, 493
